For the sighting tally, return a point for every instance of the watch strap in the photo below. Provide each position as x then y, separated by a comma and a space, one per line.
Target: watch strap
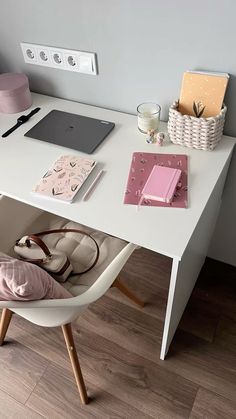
18, 124
25, 118
33, 112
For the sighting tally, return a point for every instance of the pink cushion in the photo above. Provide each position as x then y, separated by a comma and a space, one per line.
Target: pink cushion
24, 281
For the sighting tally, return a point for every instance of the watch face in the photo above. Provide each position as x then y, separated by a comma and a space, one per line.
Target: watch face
22, 119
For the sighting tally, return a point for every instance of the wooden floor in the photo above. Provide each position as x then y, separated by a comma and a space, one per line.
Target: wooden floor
119, 344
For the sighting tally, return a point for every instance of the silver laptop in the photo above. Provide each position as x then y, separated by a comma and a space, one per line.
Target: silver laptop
71, 130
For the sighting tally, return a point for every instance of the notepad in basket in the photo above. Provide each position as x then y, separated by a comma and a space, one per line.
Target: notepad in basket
161, 184
202, 93
66, 176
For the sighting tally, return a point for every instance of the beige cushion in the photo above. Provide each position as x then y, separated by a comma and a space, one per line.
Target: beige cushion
80, 249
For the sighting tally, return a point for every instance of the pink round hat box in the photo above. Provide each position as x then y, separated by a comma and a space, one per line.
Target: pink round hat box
15, 95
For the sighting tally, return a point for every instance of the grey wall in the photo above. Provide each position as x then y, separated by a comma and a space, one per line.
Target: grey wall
143, 48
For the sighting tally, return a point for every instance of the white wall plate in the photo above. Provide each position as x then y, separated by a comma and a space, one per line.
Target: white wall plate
64, 59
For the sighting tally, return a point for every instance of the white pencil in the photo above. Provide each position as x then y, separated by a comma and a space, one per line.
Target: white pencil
92, 186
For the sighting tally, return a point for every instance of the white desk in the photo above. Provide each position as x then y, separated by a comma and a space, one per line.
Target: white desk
182, 234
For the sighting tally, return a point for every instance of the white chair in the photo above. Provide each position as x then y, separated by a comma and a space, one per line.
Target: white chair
51, 313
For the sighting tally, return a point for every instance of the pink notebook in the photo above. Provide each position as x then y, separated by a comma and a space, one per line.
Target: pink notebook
140, 169
161, 184
66, 176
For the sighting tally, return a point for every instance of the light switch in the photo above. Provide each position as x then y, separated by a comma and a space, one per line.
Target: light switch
86, 63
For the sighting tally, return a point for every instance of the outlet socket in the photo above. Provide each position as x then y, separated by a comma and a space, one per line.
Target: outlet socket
29, 53
57, 58
71, 61
43, 56
64, 59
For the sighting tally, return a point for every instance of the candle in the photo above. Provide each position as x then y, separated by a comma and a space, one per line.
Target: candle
148, 117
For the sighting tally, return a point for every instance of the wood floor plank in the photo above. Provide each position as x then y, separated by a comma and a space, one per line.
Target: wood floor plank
56, 397
133, 329
11, 409
47, 342
211, 406
153, 398
148, 275
150, 267
155, 297
200, 319
139, 331
206, 364
225, 335
20, 370
133, 379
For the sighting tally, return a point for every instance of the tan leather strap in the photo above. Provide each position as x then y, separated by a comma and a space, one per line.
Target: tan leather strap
40, 243
35, 238
39, 262
42, 246
64, 268
73, 230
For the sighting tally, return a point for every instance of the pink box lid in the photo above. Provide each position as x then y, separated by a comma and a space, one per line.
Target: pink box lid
12, 84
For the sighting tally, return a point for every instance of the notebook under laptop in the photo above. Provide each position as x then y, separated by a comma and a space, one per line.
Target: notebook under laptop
71, 130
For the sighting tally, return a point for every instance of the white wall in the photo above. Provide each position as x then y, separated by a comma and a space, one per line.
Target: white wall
143, 48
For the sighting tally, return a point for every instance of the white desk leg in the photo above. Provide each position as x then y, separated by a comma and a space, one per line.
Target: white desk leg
184, 272
183, 277
169, 328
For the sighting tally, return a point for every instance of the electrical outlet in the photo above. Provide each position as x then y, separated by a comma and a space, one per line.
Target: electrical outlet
29, 53
57, 58
43, 56
71, 62
81, 62
78, 61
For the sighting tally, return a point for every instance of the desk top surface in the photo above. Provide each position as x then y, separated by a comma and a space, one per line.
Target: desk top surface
23, 161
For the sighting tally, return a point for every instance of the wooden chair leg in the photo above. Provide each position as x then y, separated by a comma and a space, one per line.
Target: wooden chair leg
118, 284
5, 321
67, 332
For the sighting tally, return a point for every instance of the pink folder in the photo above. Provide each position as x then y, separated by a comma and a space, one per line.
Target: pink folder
140, 169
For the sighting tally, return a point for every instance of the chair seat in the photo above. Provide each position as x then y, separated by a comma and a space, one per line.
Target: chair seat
80, 249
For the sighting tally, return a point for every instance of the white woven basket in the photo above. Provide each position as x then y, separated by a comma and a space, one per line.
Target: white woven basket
200, 133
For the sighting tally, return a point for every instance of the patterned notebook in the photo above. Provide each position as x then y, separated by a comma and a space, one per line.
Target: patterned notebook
140, 169
161, 184
65, 178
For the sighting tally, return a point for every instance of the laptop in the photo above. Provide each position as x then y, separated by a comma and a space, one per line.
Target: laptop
71, 130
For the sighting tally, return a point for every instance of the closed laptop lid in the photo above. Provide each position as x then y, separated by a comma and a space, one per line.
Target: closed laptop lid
71, 130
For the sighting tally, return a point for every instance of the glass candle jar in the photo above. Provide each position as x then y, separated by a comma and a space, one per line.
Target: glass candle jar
148, 117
